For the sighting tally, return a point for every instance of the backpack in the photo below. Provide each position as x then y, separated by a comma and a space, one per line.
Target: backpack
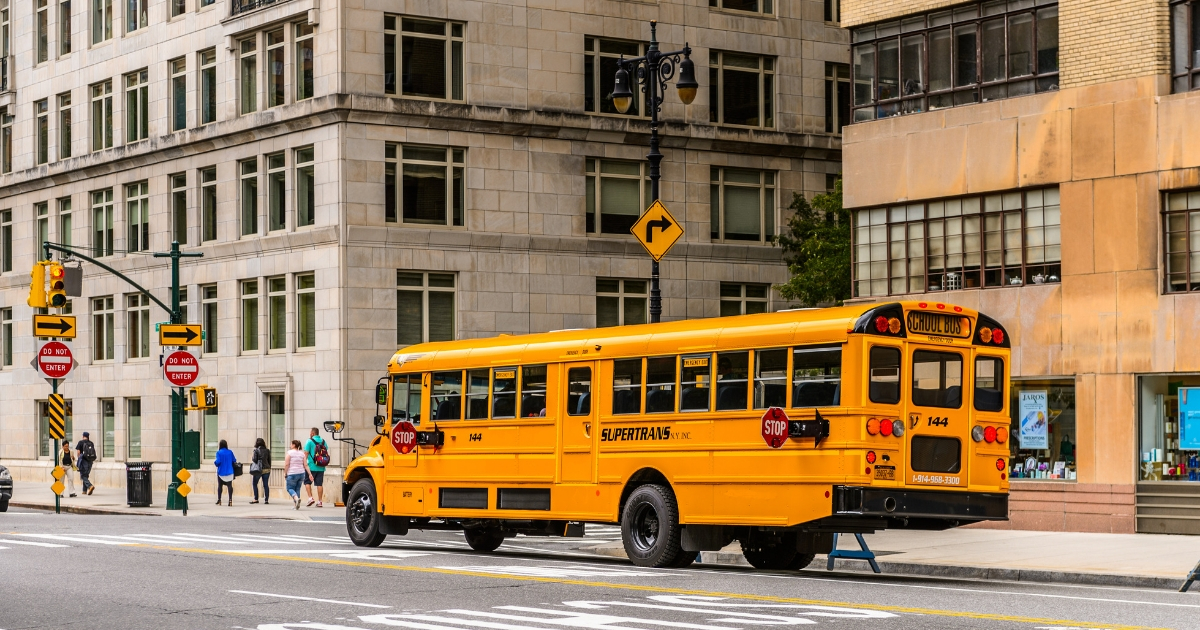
89, 451
320, 453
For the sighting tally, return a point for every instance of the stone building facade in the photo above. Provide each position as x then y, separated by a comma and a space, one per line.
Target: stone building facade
363, 176
1051, 190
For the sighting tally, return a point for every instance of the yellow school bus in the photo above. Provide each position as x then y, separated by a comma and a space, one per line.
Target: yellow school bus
775, 429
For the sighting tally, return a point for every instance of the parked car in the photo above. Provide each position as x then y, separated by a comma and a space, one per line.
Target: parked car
6, 488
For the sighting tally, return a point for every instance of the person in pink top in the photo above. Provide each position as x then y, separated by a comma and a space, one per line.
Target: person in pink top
295, 466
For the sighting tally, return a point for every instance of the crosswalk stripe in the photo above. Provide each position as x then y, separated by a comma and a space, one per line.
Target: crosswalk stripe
77, 539
9, 541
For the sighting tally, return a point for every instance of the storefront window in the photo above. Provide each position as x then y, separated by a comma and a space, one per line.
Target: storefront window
1169, 428
1043, 430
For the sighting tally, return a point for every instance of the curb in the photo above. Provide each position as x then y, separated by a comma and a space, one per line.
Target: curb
951, 571
80, 509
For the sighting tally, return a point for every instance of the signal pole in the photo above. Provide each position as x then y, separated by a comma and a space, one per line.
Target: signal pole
175, 501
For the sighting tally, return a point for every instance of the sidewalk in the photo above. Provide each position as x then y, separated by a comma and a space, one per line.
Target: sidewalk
1134, 560
105, 500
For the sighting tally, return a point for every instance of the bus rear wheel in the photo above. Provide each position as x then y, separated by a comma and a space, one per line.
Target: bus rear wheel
802, 560
772, 556
483, 539
650, 527
362, 518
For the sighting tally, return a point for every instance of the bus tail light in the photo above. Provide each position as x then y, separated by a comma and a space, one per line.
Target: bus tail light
885, 428
989, 435
1000, 464
977, 433
881, 324
897, 428
870, 457
1001, 436
998, 335
873, 426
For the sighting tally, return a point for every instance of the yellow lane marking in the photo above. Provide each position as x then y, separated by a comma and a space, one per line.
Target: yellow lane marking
675, 591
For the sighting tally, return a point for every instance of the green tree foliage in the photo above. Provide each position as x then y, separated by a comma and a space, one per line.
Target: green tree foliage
816, 247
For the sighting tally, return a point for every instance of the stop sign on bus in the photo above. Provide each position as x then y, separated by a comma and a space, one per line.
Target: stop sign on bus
404, 437
54, 359
775, 427
181, 368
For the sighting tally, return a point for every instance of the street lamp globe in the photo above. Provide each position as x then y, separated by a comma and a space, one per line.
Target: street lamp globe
687, 85
622, 96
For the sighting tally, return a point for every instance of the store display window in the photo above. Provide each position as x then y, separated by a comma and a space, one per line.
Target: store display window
1042, 434
1169, 427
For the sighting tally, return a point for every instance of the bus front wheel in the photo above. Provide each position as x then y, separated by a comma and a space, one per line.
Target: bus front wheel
362, 517
650, 527
483, 539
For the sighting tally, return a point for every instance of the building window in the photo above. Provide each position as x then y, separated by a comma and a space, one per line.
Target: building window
6, 337
208, 85
179, 220
741, 89
65, 224
208, 307
249, 315
276, 193
6, 62
42, 20
103, 346
1043, 436
64, 27
178, 8
954, 57
208, 3
306, 187
134, 427
183, 307
64, 125
743, 299
42, 211
997, 240
178, 70
208, 204
600, 58
248, 82
137, 106
275, 62
211, 438
304, 61
833, 10
137, 205
41, 112
751, 6
620, 196
136, 15
6, 241
276, 313
102, 222
108, 428
102, 113
306, 311
424, 307
277, 423
837, 96
139, 326
620, 302
1185, 45
1181, 222
743, 205
426, 62
248, 171
431, 189
6, 138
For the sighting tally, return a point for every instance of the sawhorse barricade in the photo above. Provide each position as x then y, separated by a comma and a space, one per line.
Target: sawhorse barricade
865, 554
1192, 577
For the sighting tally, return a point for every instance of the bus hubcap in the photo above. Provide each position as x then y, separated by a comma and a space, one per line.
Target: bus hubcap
360, 513
645, 528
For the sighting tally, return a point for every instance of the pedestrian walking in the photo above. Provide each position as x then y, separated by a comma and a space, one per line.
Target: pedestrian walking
260, 470
68, 465
318, 458
224, 462
295, 466
85, 455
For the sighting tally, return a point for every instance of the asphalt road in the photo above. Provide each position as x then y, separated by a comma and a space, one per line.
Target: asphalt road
132, 572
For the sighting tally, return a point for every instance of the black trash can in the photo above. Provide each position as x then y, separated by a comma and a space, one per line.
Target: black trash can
138, 490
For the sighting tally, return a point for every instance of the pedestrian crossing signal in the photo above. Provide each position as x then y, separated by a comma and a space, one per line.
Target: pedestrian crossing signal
201, 397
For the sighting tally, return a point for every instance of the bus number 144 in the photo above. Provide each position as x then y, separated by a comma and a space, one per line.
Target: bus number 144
935, 421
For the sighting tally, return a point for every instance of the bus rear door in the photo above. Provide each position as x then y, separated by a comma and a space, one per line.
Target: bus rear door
938, 416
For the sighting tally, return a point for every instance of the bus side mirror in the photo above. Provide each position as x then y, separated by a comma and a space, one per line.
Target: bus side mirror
381, 394
378, 421
333, 427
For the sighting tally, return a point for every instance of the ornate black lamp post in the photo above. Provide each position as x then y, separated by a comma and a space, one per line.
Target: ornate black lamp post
654, 70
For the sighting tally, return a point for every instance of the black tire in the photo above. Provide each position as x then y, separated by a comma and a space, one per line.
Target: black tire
650, 527
362, 515
3, 506
801, 561
684, 560
483, 539
773, 556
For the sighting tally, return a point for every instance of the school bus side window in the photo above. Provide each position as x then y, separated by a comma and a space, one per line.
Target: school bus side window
660, 385
406, 398
477, 394
733, 370
445, 395
989, 384
504, 392
885, 375
533, 391
770, 378
695, 383
817, 377
627, 386
579, 391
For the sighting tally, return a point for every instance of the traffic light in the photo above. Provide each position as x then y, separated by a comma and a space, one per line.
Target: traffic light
201, 397
57, 296
37, 286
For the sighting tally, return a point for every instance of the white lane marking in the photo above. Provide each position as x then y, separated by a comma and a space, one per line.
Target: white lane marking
563, 572
9, 541
174, 540
311, 599
77, 539
289, 552
378, 554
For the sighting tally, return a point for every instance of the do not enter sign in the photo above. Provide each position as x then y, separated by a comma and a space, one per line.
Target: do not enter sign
775, 427
404, 437
54, 359
181, 369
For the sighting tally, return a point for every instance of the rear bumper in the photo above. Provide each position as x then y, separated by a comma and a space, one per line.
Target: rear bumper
920, 504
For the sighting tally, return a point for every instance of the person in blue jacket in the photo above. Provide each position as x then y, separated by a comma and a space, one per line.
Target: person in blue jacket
224, 462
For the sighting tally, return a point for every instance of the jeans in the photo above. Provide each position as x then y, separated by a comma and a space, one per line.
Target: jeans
85, 472
293, 484
221, 484
265, 479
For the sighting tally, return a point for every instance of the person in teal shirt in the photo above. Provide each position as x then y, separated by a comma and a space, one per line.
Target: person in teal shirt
316, 446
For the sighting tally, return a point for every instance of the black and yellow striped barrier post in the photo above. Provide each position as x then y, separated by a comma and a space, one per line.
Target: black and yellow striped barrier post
58, 430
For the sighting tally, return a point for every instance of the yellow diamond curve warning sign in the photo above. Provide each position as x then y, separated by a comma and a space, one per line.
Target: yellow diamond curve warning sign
58, 487
183, 475
183, 489
657, 230
57, 472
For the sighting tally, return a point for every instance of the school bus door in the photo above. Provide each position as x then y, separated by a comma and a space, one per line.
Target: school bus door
578, 435
402, 496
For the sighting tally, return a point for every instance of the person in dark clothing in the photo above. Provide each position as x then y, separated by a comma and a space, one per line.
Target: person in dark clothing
85, 454
260, 470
